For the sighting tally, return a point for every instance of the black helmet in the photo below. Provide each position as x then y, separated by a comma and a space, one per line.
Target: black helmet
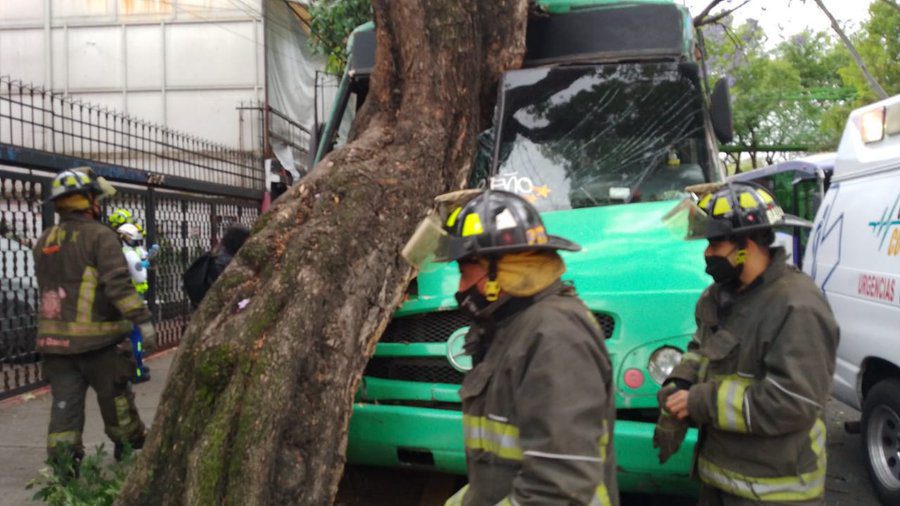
79, 180
495, 223
738, 209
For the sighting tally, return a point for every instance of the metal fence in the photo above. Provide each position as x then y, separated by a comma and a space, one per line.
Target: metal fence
183, 225
184, 191
41, 128
277, 136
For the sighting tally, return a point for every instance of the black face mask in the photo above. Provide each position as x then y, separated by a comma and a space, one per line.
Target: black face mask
721, 269
471, 302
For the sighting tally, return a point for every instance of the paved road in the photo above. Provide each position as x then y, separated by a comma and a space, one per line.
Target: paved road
23, 425
848, 483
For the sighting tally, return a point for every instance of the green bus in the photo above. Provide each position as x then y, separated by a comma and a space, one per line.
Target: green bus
606, 123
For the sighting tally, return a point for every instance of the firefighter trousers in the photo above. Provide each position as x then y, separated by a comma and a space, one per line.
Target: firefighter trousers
107, 371
712, 496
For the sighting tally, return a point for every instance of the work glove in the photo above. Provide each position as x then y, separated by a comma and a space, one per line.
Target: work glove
668, 435
149, 335
663, 393
669, 432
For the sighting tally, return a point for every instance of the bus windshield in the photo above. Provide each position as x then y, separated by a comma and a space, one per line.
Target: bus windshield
586, 136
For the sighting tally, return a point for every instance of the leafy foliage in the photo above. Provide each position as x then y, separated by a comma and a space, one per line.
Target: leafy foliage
878, 43
331, 25
781, 96
797, 95
98, 484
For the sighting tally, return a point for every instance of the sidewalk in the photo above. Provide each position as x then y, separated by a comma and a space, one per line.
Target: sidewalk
23, 430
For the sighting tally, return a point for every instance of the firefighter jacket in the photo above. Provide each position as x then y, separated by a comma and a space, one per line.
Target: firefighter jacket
87, 297
538, 410
761, 365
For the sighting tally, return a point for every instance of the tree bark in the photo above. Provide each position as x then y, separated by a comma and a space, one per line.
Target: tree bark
873, 83
258, 400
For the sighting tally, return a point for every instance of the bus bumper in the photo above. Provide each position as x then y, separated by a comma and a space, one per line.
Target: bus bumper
426, 438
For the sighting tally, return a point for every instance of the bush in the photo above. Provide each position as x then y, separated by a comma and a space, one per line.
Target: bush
97, 484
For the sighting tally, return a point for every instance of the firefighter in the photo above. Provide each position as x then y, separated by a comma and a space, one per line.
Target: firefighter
119, 217
122, 216
87, 307
757, 373
538, 405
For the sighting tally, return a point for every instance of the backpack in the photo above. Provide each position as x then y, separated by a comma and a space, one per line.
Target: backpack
197, 279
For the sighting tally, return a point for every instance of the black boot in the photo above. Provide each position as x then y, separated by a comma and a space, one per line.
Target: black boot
67, 464
118, 451
136, 443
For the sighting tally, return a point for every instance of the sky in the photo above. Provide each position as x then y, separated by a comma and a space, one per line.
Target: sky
782, 18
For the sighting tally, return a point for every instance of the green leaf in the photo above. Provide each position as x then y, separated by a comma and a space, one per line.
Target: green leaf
331, 23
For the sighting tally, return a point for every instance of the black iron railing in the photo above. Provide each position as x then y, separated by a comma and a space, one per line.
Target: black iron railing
39, 127
183, 190
276, 132
184, 226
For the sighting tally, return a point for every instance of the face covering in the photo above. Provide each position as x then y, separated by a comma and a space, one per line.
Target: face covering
721, 269
473, 304
471, 301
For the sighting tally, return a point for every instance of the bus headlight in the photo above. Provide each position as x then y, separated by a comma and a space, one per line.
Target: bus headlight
661, 363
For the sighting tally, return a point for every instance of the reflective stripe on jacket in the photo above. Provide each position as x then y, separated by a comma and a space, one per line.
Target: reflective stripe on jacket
87, 300
761, 363
538, 411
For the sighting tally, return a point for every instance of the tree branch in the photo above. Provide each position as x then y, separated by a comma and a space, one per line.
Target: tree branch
853, 53
719, 16
705, 12
738, 43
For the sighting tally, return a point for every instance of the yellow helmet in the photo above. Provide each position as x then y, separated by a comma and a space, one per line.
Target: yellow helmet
119, 217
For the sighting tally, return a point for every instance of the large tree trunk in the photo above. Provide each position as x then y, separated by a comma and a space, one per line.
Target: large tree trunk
257, 404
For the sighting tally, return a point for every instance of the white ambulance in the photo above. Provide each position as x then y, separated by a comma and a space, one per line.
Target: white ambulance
853, 254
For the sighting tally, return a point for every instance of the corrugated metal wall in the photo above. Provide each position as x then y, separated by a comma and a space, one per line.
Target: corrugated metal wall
186, 64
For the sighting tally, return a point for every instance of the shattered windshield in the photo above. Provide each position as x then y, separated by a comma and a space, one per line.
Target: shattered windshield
586, 136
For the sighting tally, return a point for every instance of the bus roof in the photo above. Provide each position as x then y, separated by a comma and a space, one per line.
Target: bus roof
581, 30
810, 167
560, 6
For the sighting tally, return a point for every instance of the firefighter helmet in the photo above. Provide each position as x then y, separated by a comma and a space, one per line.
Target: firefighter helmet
130, 234
119, 217
495, 223
734, 209
481, 223
79, 180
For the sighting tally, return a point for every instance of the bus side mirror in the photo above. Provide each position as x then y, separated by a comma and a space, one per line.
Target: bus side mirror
720, 112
